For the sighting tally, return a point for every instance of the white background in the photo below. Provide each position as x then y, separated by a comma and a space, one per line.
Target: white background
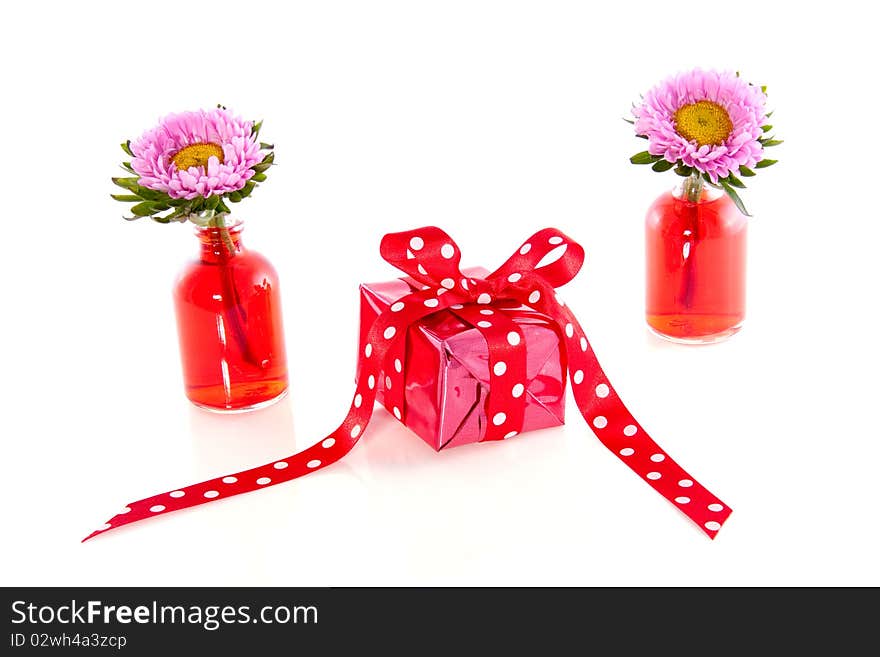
491, 120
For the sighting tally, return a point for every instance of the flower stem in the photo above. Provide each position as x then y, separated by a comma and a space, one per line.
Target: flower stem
219, 222
693, 187
692, 190
237, 315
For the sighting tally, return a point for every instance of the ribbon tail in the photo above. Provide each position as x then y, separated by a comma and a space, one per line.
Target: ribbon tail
318, 456
618, 430
605, 413
387, 330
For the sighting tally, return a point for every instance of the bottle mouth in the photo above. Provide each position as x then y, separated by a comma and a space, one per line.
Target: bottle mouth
231, 224
707, 193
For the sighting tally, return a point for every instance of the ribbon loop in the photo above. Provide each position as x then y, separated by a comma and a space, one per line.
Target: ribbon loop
528, 257
428, 255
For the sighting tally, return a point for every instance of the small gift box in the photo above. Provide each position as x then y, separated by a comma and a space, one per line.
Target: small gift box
445, 370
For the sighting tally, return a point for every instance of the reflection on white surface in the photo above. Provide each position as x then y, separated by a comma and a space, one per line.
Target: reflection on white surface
230, 442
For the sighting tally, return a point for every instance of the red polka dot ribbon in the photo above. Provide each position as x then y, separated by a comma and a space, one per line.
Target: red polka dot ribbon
430, 257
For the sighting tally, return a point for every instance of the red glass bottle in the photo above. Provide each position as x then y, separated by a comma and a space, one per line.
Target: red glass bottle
229, 324
695, 249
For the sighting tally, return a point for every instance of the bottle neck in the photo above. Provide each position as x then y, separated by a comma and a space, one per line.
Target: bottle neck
220, 243
694, 190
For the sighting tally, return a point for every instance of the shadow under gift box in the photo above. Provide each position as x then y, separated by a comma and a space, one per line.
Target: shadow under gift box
446, 367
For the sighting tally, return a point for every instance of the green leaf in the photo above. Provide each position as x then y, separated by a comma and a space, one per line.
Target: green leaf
128, 198
212, 202
645, 158
258, 177
683, 171
767, 127
256, 129
630, 121
745, 172
264, 146
222, 207
764, 88
149, 194
737, 201
769, 114
234, 197
199, 218
249, 186
126, 146
763, 164
171, 216
734, 181
710, 183
772, 142
127, 167
126, 183
144, 209
662, 165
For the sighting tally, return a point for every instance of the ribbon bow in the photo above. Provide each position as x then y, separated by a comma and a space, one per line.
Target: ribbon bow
430, 257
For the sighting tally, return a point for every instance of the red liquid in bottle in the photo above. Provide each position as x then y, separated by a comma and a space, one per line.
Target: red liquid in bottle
695, 267
229, 324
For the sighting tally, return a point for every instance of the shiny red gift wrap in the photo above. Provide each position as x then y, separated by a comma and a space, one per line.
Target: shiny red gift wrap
446, 367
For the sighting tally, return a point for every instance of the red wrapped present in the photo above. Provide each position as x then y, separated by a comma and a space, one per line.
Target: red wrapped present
465, 356
445, 372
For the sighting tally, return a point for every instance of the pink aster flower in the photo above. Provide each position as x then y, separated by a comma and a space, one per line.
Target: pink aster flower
193, 154
710, 121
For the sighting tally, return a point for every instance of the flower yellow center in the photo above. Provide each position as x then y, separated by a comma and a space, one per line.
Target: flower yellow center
704, 122
196, 155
